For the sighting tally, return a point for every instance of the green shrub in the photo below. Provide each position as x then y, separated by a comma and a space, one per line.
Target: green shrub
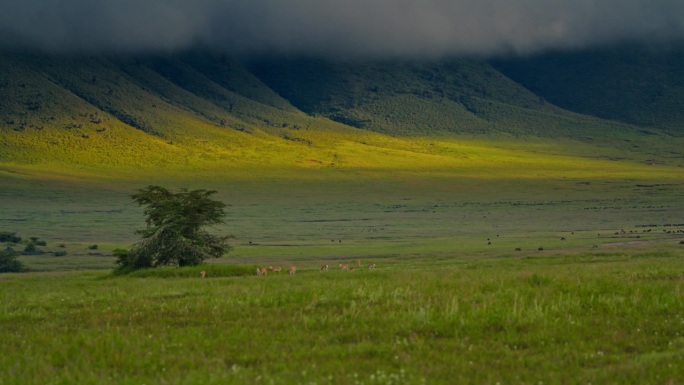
36, 241
6, 236
31, 248
9, 262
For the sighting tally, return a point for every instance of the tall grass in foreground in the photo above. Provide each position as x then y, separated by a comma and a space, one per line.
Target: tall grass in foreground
603, 318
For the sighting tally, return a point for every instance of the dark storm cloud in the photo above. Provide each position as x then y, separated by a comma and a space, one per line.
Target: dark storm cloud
363, 27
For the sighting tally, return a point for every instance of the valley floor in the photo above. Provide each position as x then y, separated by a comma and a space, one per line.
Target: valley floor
525, 268
322, 214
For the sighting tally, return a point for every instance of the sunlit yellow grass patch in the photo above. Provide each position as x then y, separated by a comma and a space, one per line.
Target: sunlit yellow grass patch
327, 154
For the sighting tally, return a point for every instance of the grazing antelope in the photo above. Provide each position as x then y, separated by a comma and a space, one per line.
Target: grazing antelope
352, 268
203, 274
293, 270
358, 263
261, 270
324, 268
275, 268
344, 266
371, 266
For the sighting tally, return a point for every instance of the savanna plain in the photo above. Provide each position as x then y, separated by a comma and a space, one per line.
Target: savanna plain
501, 262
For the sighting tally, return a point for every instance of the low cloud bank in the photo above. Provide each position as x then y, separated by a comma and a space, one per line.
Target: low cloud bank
349, 27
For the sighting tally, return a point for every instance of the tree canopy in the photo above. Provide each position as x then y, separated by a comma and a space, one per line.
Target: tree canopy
175, 234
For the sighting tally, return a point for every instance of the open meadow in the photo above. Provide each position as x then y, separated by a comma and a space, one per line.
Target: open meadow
495, 264
594, 317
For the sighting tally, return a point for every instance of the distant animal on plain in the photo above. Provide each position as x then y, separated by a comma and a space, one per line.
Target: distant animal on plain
293, 270
275, 268
344, 266
261, 270
371, 266
324, 268
203, 274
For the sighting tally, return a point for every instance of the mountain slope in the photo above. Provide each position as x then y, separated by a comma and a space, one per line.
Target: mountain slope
193, 110
633, 84
102, 111
391, 96
456, 96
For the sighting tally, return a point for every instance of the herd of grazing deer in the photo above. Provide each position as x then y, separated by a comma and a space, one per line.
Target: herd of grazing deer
264, 270
292, 270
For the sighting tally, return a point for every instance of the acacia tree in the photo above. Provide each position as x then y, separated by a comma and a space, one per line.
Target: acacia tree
175, 234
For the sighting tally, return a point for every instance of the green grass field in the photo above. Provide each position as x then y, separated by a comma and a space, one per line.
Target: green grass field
451, 300
409, 197
594, 317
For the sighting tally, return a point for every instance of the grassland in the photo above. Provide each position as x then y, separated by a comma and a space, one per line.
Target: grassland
601, 302
604, 317
379, 196
395, 196
450, 302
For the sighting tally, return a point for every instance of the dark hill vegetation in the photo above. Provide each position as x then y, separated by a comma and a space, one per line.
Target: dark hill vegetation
403, 97
628, 83
453, 97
